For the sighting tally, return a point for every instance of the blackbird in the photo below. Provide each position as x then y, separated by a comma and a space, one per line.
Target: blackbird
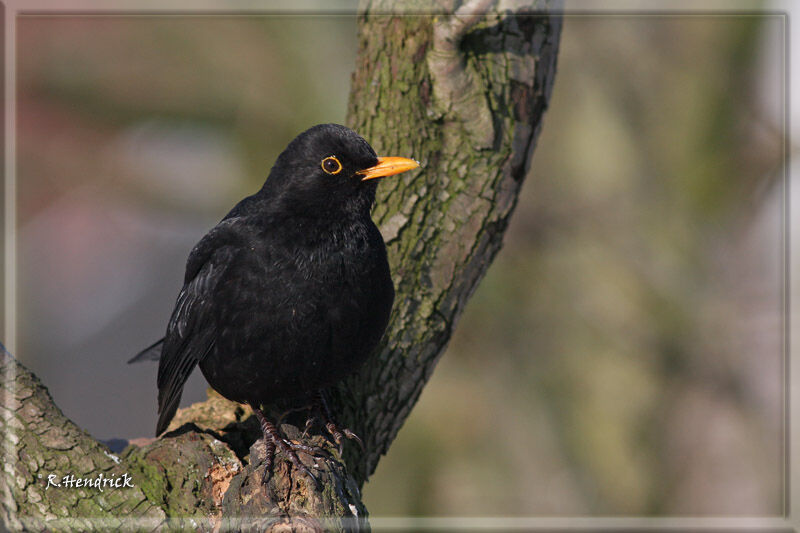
291, 291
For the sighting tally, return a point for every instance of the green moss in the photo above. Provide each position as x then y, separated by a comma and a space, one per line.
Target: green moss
147, 476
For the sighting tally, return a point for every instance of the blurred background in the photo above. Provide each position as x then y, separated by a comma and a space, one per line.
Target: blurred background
623, 355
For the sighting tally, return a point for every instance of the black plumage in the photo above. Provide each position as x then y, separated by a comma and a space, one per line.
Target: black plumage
291, 291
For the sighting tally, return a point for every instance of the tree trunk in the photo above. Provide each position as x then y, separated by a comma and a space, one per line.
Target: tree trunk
465, 95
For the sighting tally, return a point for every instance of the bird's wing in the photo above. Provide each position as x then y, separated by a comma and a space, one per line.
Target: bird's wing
191, 331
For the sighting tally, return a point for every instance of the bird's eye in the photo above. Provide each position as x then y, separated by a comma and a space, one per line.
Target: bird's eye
331, 165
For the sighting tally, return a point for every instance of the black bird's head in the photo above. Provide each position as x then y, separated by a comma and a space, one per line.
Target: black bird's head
329, 168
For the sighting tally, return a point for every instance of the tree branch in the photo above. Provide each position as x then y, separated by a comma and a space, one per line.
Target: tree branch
38, 440
444, 224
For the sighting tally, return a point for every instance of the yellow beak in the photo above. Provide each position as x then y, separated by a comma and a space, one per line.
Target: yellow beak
387, 166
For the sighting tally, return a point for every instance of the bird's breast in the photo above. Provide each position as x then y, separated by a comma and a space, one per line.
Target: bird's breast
325, 271
309, 308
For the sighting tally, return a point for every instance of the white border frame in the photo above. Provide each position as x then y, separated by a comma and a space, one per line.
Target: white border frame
788, 522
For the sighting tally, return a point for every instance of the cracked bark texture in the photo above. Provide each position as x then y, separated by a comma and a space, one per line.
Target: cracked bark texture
463, 91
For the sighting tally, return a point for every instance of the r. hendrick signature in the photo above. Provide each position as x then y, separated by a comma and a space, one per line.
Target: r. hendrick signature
100, 482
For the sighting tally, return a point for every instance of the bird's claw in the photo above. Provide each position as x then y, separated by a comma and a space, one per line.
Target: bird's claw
352, 436
334, 432
338, 433
332, 427
273, 440
288, 448
310, 450
309, 424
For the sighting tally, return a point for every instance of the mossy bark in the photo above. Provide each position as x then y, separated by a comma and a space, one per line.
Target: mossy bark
464, 92
38, 441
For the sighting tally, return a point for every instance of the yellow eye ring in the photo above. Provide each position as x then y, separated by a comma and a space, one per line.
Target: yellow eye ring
331, 165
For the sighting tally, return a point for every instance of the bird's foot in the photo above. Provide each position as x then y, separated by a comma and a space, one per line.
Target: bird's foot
274, 440
309, 449
333, 429
337, 433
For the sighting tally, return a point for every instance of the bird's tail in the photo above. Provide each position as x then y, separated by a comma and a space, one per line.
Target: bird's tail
167, 411
151, 353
